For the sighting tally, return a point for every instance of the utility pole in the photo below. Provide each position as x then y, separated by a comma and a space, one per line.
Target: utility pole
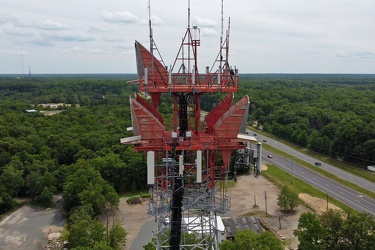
265, 200
255, 201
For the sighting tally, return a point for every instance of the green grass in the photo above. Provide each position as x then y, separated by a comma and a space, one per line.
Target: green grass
282, 178
356, 170
320, 170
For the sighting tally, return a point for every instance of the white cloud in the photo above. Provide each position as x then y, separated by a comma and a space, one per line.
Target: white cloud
4, 17
18, 32
97, 29
203, 22
49, 25
77, 49
14, 52
98, 51
208, 32
118, 17
41, 42
125, 48
68, 36
16, 21
143, 22
155, 20
19, 22
365, 54
113, 39
356, 54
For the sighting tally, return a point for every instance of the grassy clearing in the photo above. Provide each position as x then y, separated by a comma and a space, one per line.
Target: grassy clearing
280, 178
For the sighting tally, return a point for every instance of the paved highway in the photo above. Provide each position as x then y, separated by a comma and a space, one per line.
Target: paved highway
329, 168
334, 189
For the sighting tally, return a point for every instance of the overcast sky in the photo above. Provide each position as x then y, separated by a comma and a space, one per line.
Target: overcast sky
266, 36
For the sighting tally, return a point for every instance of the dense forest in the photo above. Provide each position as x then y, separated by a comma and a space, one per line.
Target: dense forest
77, 151
46, 149
330, 114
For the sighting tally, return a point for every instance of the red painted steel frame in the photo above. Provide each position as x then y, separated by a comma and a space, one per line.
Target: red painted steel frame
218, 135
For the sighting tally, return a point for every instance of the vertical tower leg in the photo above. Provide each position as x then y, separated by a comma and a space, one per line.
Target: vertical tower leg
177, 196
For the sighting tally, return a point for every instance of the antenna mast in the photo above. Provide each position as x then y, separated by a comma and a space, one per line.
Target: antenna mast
222, 21
189, 14
222, 31
153, 46
149, 26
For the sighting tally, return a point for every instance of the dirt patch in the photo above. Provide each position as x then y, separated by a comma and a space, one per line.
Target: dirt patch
258, 197
317, 204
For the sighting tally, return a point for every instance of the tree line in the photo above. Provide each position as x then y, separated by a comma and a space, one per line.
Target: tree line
330, 114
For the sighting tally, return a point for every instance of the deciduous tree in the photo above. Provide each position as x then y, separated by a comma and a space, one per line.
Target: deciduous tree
310, 232
244, 240
287, 200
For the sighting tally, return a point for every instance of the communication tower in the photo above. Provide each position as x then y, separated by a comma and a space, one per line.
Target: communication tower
188, 165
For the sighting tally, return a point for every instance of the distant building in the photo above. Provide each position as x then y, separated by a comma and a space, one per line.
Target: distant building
31, 111
50, 112
54, 105
51, 106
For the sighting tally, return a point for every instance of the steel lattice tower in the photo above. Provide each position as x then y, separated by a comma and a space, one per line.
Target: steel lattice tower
187, 165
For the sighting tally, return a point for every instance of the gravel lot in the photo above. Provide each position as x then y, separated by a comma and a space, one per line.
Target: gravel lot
30, 227
246, 192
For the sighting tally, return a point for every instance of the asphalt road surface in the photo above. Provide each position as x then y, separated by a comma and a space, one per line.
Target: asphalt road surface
24, 228
144, 236
334, 189
329, 168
